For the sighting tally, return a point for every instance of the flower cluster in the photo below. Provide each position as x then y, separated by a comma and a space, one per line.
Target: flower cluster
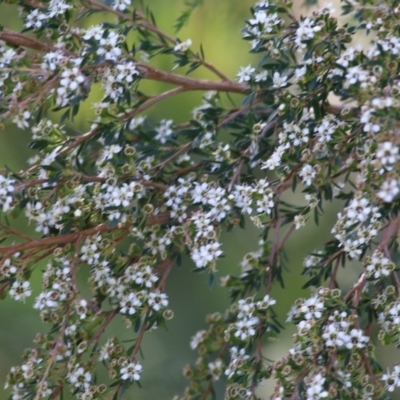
7, 187
131, 195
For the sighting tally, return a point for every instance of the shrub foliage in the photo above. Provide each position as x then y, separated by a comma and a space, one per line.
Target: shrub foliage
319, 115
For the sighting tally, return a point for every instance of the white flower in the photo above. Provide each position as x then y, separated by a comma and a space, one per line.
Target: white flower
21, 119
349, 55
279, 81
307, 174
315, 390
390, 44
389, 190
129, 304
96, 32
164, 131
266, 203
334, 336
157, 300
261, 76
306, 31
126, 73
52, 60
131, 371
378, 265
71, 79
121, 5
108, 47
312, 308
58, 7
79, 378
197, 339
238, 360
243, 198
390, 381
5, 59
246, 308
90, 250
244, 75
265, 302
267, 22
276, 158
246, 328
141, 275
35, 19
299, 221
394, 313
358, 210
215, 369
357, 76
46, 300
183, 46
81, 308
109, 151
206, 254
20, 290
136, 122
6, 189
352, 248
300, 72
357, 339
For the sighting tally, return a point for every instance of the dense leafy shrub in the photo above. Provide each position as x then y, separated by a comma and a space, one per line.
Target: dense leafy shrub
319, 115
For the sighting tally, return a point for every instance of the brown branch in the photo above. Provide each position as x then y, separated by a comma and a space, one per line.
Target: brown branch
233, 115
274, 252
155, 100
56, 240
236, 174
75, 143
56, 392
100, 331
70, 237
181, 150
214, 69
19, 39
356, 290
332, 282
149, 72
166, 267
396, 281
149, 26
89, 178
53, 356
139, 338
332, 257
13, 231
286, 237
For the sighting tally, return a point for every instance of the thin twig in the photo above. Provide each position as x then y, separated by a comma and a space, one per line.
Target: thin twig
181, 150
235, 176
53, 356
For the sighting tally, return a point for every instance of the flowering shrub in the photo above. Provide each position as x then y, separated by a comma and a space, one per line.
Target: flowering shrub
319, 115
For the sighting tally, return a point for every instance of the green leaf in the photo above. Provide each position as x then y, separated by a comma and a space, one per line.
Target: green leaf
193, 66
202, 52
137, 325
113, 223
310, 3
210, 281
184, 17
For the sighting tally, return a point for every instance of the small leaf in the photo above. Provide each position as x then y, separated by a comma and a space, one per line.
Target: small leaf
210, 280
202, 52
184, 17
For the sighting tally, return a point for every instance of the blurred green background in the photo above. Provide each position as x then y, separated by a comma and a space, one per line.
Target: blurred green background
217, 26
